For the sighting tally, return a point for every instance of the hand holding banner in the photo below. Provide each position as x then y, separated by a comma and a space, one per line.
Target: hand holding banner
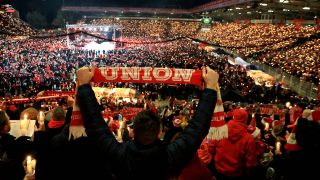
148, 75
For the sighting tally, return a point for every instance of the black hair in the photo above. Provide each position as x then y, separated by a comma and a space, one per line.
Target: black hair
146, 127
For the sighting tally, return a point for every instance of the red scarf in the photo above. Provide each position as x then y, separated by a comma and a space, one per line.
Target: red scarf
55, 124
148, 75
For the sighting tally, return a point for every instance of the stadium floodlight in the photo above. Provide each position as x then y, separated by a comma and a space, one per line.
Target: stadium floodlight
306, 8
263, 4
270, 11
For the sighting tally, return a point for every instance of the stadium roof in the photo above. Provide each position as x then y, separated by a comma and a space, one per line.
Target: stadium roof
218, 9
178, 4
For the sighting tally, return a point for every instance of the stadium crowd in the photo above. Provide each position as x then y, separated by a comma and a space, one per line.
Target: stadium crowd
269, 141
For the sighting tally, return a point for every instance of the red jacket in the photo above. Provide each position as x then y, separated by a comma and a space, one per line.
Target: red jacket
195, 170
237, 152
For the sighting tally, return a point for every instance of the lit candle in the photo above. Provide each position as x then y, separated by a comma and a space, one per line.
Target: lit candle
41, 118
253, 115
33, 163
25, 117
29, 165
278, 145
266, 126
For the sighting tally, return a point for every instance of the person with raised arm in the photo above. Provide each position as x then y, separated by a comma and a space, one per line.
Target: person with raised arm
146, 157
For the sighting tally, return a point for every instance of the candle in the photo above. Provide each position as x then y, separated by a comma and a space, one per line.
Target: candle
41, 114
278, 145
33, 163
24, 125
29, 165
252, 115
266, 126
41, 118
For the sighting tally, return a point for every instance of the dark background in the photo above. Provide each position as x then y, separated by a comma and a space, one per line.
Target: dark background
49, 8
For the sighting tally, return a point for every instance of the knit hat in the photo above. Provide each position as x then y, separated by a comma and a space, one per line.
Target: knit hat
292, 142
76, 129
240, 115
218, 129
252, 128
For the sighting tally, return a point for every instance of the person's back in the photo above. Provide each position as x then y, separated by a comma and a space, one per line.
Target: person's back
146, 157
145, 162
236, 154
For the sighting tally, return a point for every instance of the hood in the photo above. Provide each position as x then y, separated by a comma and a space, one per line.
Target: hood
236, 130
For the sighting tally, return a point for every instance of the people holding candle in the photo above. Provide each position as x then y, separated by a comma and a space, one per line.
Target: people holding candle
43, 139
264, 155
12, 150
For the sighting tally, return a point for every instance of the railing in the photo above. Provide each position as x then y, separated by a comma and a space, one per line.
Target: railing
302, 87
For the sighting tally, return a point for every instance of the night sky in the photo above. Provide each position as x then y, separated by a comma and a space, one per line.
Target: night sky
49, 8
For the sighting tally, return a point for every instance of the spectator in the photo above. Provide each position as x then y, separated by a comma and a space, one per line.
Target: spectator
235, 157
146, 153
12, 151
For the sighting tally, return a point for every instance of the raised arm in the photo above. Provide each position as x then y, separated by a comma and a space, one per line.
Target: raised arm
96, 127
185, 147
